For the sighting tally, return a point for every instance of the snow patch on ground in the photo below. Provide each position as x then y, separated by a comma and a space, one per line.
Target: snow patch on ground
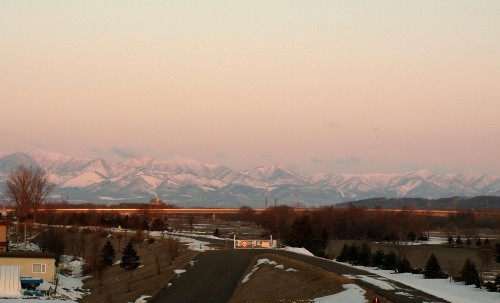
297, 250
373, 281
179, 271
269, 262
352, 294
142, 299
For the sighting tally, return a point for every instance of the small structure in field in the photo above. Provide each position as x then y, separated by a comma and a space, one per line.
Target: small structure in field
32, 264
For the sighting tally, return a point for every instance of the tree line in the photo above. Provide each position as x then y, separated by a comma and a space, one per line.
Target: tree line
362, 255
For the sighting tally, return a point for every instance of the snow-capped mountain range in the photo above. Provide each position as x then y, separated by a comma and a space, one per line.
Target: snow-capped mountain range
187, 182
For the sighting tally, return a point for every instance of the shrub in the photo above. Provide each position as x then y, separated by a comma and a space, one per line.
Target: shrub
490, 286
417, 271
423, 238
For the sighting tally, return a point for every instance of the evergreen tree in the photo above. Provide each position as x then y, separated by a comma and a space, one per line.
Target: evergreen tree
353, 253
497, 254
216, 232
378, 259
130, 259
107, 254
390, 261
432, 268
365, 254
403, 265
469, 273
342, 257
411, 237
302, 235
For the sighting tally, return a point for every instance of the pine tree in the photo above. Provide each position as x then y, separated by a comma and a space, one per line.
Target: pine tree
390, 261
432, 268
469, 273
365, 254
378, 259
403, 265
107, 254
130, 259
216, 232
352, 254
343, 256
497, 252
411, 237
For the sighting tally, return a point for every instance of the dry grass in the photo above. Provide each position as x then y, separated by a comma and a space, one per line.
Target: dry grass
145, 280
269, 284
419, 254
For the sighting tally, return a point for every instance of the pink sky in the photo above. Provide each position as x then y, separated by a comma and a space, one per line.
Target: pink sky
318, 86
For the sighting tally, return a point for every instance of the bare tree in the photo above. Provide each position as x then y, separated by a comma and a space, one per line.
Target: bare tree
452, 268
28, 187
486, 254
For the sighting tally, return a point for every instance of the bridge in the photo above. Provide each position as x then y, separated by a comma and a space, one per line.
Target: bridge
233, 211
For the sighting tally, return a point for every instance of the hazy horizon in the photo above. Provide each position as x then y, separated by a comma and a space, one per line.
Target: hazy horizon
323, 86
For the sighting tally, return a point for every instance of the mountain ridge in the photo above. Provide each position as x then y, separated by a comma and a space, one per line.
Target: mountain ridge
188, 182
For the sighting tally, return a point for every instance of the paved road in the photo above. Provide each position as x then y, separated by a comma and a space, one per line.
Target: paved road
215, 275
213, 278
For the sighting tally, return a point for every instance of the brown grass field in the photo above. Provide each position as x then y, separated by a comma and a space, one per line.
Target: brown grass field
449, 257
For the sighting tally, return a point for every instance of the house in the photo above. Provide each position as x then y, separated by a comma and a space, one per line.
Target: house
33, 264
4, 243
